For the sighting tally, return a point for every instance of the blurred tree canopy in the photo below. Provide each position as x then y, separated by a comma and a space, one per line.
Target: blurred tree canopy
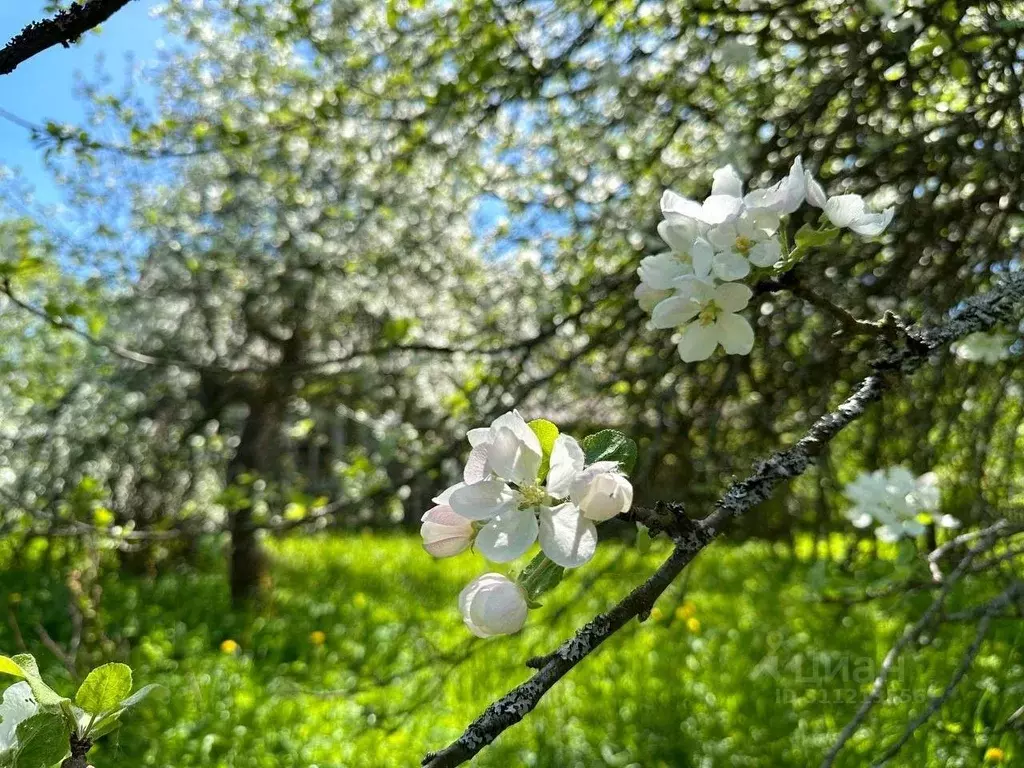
343, 233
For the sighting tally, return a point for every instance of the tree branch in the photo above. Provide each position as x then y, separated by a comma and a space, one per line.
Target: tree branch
979, 313
64, 28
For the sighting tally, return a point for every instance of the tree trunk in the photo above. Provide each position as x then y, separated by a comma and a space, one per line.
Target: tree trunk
256, 451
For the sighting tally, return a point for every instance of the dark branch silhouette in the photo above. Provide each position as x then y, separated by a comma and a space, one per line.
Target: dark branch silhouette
64, 28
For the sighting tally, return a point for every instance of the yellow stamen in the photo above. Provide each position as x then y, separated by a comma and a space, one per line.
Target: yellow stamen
744, 244
532, 496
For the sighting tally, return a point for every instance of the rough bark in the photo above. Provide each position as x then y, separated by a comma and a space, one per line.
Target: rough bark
256, 451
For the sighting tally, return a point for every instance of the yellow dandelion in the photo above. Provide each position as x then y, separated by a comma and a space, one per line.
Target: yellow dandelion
317, 637
994, 755
693, 624
359, 600
686, 611
230, 647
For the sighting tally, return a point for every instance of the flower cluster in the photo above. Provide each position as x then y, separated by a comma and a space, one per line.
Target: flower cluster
712, 244
514, 492
898, 501
983, 347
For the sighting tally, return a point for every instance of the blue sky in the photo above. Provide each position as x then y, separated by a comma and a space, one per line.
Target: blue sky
43, 87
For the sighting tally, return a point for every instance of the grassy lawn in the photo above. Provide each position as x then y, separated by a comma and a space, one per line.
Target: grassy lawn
741, 665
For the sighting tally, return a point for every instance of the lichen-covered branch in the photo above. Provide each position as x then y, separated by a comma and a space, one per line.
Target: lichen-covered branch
64, 28
977, 314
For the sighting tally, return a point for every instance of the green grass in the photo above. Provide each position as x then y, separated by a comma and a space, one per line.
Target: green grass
398, 675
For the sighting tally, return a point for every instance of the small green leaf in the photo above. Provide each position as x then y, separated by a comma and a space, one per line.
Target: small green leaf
810, 237
610, 445
643, 539
546, 433
44, 694
9, 667
539, 576
42, 741
104, 688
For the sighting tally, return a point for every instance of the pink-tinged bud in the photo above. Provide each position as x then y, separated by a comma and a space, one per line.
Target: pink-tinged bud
444, 532
493, 605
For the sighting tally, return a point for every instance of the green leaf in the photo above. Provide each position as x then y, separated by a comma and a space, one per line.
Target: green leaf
610, 445
539, 576
42, 741
810, 237
9, 667
546, 433
105, 688
44, 694
112, 720
643, 539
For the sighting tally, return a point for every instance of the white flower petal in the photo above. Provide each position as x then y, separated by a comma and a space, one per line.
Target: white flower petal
702, 256
697, 343
476, 468
677, 204
566, 537
446, 494
648, 297
678, 233
784, 196
888, 533
860, 519
674, 311
512, 420
507, 536
719, 208
478, 436
726, 181
491, 605
735, 334
606, 495
723, 237
566, 462
729, 265
660, 270
815, 192
948, 521
872, 224
844, 210
483, 500
732, 297
766, 253
512, 459
693, 287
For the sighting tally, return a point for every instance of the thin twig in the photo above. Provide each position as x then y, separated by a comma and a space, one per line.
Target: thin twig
936, 702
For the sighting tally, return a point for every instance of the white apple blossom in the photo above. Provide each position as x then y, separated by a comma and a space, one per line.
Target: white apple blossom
984, 347
444, 532
517, 510
783, 197
508, 448
601, 491
848, 211
707, 316
492, 604
649, 297
897, 500
744, 240
738, 230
